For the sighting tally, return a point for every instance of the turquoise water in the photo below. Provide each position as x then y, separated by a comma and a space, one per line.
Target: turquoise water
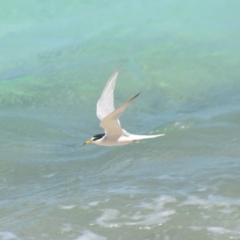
55, 60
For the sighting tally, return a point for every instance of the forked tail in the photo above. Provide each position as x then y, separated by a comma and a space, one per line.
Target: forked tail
140, 137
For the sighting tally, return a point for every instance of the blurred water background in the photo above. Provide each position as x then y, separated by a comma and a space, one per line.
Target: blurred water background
55, 58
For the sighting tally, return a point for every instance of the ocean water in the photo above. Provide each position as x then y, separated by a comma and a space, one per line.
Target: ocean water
56, 57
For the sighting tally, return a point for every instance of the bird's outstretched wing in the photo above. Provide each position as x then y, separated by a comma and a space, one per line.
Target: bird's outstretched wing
105, 104
111, 123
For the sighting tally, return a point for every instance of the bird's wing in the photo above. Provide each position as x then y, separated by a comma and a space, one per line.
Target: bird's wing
105, 104
111, 122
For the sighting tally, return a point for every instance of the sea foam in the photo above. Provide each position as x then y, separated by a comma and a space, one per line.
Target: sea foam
88, 235
8, 236
147, 214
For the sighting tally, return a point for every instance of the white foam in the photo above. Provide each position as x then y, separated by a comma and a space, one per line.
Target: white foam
67, 207
227, 210
219, 230
88, 235
216, 230
95, 203
202, 189
108, 215
158, 203
8, 236
154, 218
167, 177
147, 214
211, 201
222, 230
49, 175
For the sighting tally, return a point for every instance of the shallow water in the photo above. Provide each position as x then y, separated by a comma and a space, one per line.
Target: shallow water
55, 60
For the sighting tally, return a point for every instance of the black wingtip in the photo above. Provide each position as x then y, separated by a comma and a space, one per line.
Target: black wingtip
137, 95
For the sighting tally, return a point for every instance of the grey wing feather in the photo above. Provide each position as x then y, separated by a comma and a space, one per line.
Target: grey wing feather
105, 104
111, 122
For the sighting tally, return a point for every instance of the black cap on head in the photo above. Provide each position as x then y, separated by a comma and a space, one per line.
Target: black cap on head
98, 136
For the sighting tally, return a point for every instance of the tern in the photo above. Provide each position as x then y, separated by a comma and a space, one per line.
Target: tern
114, 134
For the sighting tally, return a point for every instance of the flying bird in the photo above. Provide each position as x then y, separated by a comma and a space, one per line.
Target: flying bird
114, 134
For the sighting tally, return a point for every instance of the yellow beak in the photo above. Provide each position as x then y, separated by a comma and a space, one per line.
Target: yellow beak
88, 142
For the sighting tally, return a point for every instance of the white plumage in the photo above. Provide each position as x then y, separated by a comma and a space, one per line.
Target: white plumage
114, 135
